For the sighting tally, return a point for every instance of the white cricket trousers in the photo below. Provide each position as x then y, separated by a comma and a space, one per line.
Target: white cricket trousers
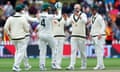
75, 45
25, 59
59, 50
99, 50
44, 40
21, 51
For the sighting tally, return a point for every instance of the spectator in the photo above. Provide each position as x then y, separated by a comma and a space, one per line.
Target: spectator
90, 2
116, 29
71, 7
2, 22
8, 9
117, 4
87, 11
13, 2
2, 2
52, 1
109, 33
101, 8
109, 5
117, 22
116, 34
113, 14
26, 3
80, 1
65, 8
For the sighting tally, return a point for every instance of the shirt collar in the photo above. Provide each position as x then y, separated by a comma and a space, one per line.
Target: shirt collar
45, 13
18, 14
95, 15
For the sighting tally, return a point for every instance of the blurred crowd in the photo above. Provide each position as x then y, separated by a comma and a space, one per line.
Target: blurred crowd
109, 9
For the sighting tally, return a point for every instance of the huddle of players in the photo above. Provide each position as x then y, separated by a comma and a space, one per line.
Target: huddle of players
51, 32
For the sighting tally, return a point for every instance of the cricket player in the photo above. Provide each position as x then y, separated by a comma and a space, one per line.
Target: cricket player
78, 37
98, 36
18, 28
29, 19
25, 13
45, 35
59, 35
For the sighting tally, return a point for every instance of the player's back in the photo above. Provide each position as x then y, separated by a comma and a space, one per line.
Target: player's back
18, 27
45, 22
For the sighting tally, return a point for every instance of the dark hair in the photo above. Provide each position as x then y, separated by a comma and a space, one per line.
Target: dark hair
18, 10
32, 10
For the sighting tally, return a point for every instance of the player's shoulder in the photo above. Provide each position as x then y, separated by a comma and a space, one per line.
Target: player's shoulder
46, 16
82, 13
71, 16
23, 17
10, 18
99, 16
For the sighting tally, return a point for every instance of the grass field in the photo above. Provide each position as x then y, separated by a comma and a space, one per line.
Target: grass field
112, 65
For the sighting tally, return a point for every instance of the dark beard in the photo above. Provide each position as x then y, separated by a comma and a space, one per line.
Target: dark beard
77, 11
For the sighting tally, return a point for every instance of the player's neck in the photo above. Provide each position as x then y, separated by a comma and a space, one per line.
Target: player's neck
94, 14
45, 11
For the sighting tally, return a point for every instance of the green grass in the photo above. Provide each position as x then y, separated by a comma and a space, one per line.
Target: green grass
111, 65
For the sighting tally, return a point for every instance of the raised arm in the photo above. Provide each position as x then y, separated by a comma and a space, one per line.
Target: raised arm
58, 7
31, 19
